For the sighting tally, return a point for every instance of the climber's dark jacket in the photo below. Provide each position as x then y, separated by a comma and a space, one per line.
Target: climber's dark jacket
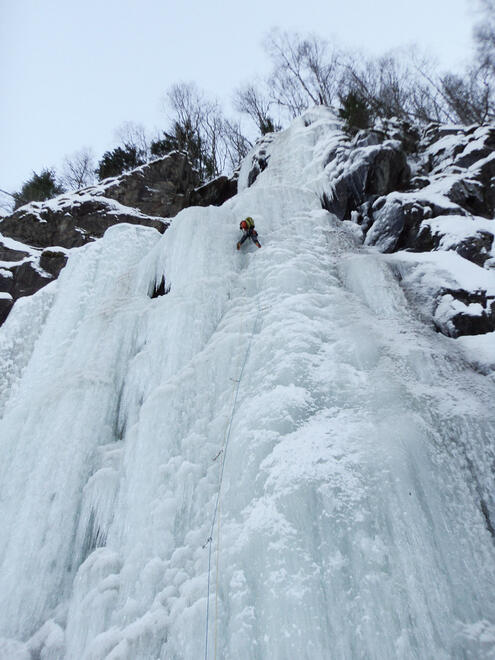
249, 233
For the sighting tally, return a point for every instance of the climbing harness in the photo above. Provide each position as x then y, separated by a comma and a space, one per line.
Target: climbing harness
216, 512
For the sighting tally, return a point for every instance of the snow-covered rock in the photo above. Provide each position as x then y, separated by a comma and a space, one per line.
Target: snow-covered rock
360, 173
449, 204
43, 232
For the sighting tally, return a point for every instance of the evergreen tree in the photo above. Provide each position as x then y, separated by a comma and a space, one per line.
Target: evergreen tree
184, 138
119, 160
38, 188
267, 125
355, 112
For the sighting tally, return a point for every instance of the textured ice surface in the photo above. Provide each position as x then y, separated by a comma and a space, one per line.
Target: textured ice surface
357, 501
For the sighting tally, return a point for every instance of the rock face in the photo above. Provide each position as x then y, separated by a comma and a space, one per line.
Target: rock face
373, 170
430, 192
460, 312
448, 207
71, 221
35, 239
260, 157
213, 193
20, 273
159, 188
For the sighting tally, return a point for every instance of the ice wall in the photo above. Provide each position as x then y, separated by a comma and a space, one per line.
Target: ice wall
357, 495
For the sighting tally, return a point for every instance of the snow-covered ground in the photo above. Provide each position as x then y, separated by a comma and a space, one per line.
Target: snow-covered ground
356, 446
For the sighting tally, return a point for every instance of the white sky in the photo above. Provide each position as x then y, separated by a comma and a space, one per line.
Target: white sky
72, 72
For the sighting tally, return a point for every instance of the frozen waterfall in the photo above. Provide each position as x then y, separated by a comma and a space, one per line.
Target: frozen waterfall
356, 508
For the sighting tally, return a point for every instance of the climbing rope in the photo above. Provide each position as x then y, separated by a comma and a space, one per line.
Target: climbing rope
216, 512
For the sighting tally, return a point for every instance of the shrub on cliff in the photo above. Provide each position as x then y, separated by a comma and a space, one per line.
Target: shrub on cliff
38, 188
355, 112
184, 138
119, 160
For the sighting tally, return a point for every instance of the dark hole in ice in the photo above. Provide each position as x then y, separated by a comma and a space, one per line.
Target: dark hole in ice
161, 290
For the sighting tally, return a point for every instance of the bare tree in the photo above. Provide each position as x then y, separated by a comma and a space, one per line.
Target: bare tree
485, 34
404, 84
214, 143
188, 104
133, 134
382, 82
305, 71
471, 97
252, 101
79, 170
475, 93
235, 143
201, 119
426, 101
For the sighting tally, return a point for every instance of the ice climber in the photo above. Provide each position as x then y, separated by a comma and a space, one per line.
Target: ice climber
247, 227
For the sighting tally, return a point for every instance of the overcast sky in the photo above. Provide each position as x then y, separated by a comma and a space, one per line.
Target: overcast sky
72, 72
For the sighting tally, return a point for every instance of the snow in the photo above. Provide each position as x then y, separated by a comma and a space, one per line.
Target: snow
447, 143
480, 350
388, 222
450, 307
67, 201
357, 480
455, 229
9, 264
17, 245
476, 144
457, 143
93, 193
437, 270
480, 163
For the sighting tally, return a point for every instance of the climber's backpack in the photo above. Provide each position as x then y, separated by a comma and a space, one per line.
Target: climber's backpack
250, 222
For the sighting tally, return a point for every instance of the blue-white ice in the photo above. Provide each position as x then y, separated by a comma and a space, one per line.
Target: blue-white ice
358, 486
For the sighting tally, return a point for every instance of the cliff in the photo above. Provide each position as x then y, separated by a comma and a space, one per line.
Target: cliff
269, 453
35, 240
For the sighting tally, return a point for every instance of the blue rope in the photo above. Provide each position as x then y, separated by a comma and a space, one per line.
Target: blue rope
215, 512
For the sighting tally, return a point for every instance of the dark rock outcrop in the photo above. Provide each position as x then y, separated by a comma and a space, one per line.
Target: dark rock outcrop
6, 281
396, 221
5, 307
484, 173
28, 278
260, 158
159, 188
474, 313
475, 247
70, 221
148, 195
213, 193
52, 261
9, 254
448, 205
372, 171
